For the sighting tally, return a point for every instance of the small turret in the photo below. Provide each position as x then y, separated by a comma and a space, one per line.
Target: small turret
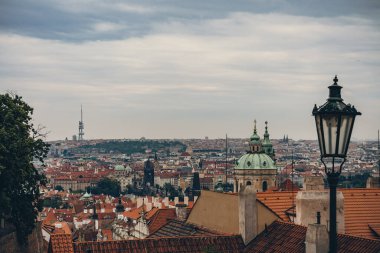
267, 144
255, 144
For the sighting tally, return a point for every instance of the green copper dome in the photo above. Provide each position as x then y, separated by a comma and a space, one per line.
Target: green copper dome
87, 195
119, 167
255, 161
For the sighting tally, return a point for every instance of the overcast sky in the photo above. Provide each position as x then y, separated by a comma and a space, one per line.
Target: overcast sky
190, 69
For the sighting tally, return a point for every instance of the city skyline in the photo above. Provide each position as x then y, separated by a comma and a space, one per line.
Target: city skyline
190, 69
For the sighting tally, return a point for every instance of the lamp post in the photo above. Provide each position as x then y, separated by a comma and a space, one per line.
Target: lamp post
334, 121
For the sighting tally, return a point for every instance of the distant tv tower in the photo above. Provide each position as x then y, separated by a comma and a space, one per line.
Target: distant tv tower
81, 125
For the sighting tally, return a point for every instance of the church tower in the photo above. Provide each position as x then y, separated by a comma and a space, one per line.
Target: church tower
267, 144
256, 167
148, 173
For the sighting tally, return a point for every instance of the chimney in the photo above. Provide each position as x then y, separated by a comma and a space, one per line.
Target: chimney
181, 211
139, 202
247, 213
166, 201
312, 201
176, 200
317, 238
314, 182
148, 207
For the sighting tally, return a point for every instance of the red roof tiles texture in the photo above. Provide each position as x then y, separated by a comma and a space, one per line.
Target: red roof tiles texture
361, 208
160, 219
278, 202
61, 243
230, 244
288, 237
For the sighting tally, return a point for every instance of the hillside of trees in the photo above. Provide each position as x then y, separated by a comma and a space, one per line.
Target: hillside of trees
131, 146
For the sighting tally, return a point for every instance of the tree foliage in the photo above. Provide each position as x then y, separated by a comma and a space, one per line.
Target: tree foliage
130, 146
20, 144
107, 186
59, 188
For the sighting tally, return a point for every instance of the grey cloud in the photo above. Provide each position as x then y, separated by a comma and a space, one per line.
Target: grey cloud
73, 20
194, 69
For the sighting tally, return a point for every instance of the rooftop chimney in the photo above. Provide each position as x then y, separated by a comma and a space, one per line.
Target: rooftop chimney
247, 213
181, 211
317, 238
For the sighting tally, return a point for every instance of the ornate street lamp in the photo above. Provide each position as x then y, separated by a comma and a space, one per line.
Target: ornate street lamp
334, 121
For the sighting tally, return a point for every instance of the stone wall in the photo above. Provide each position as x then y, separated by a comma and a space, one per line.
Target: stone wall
8, 243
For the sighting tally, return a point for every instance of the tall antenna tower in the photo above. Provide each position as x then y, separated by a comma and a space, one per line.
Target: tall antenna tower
226, 159
81, 125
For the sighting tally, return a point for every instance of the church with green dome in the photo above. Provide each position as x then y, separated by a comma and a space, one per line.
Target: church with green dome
257, 166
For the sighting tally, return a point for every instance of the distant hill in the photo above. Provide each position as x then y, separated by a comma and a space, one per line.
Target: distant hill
131, 146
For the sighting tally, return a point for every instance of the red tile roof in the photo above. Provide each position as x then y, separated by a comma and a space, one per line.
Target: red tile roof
230, 244
178, 228
61, 243
361, 208
136, 213
288, 237
278, 202
160, 219
278, 237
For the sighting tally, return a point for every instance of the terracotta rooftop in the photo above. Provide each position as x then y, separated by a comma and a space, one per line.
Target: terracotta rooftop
278, 202
222, 244
175, 228
60, 243
278, 237
361, 209
136, 213
288, 237
160, 219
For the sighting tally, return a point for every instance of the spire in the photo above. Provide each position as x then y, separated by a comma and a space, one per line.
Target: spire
95, 215
255, 144
255, 137
266, 134
119, 206
267, 144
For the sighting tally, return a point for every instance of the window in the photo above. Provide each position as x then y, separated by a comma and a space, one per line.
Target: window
265, 186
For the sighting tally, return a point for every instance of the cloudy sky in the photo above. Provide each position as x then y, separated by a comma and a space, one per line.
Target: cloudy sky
181, 69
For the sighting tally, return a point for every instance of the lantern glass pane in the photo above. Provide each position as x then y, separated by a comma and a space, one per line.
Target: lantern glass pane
345, 132
319, 131
343, 135
330, 127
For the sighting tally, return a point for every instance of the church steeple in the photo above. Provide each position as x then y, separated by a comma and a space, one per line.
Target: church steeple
267, 144
255, 144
